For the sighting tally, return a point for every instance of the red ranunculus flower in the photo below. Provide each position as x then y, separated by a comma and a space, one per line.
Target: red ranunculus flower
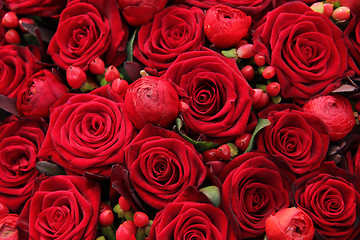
17, 64
20, 141
174, 30
219, 96
62, 207
38, 94
161, 165
88, 132
139, 12
299, 138
306, 49
8, 230
43, 8
331, 198
253, 188
86, 30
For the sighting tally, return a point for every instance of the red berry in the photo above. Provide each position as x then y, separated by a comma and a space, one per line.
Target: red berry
25, 20
259, 99
106, 218
140, 219
124, 204
341, 13
273, 88
328, 9
243, 141
248, 72
112, 73
259, 60
224, 152
97, 66
3, 209
268, 72
75, 76
119, 86
10, 20
245, 51
12, 37
317, 7
104, 206
126, 231
210, 155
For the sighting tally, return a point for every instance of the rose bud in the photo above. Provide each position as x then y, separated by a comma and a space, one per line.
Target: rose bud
152, 100
8, 229
335, 111
38, 94
289, 224
139, 12
225, 26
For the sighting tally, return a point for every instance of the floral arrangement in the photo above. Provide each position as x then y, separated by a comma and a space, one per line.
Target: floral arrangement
179, 119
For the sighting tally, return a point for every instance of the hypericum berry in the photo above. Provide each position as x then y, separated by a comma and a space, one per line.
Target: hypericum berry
124, 204
317, 7
119, 86
210, 155
106, 218
126, 231
328, 9
248, 72
97, 66
273, 88
104, 206
12, 36
75, 76
243, 141
259, 60
141, 219
3, 209
259, 99
10, 20
112, 73
268, 72
341, 13
246, 51
25, 20
224, 152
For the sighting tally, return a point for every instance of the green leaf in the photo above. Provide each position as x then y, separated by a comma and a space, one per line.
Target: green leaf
201, 146
260, 125
49, 169
229, 53
213, 194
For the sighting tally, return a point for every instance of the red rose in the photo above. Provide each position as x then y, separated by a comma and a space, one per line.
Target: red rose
299, 138
43, 8
20, 141
88, 132
39, 92
191, 216
17, 64
219, 96
8, 230
62, 207
161, 164
306, 49
352, 38
225, 26
87, 30
174, 30
253, 188
331, 198
139, 12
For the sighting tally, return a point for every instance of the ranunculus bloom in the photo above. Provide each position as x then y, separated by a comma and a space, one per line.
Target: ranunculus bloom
225, 26
17, 64
43, 8
8, 230
335, 111
253, 188
190, 217
219, 96
152, 100
38, 93
20, 141
88, 132
306, 49
174, 30
62, 207
331, 198
139, 12
161, 164
87, 30
299, 138
289, 224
